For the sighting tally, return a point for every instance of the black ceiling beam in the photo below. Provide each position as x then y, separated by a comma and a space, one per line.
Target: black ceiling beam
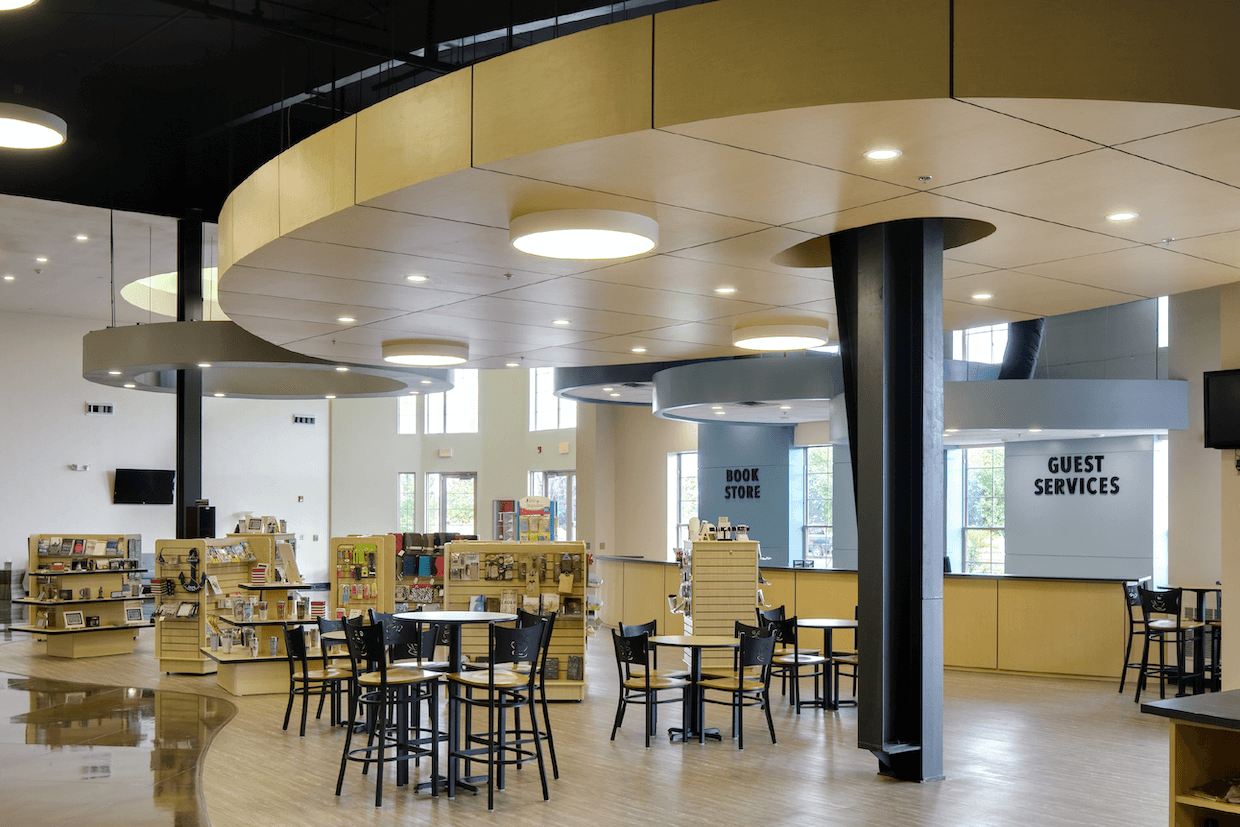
309, 35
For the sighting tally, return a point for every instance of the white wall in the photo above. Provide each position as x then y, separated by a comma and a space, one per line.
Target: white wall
254, 458
367, 455
1081, 534
642, 443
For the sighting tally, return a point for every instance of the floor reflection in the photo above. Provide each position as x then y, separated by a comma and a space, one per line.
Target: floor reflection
73, 753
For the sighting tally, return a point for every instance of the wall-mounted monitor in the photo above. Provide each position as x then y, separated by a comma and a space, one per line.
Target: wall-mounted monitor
143, 486
1222, 408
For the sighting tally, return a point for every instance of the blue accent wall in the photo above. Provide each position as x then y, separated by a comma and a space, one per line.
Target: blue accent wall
764, 504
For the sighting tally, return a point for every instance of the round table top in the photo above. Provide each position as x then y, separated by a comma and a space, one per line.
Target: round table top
827, 622
337, 635
1216, 587
456, 617
695, 641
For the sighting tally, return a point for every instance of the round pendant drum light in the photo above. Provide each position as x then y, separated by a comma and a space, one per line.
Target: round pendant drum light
10, 5
24, 127
780, 336
425, 352
584, 234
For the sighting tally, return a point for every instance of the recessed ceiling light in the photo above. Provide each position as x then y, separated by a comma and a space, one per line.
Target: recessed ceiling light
608, 389
983, 296
342, 369
417, 278
781, 336
82, 237
716, 407
10, 278
721, 413
130, 385
330, 396
114, 373
614, 394
204, 364
883, 154
1122, 216
952, 430
785, 407
24, 127
42, 259
346, 319
425, 353
1035, 430
512, 365
219, 394
583, 234
426, 381
561, 321
638, 350
725, 291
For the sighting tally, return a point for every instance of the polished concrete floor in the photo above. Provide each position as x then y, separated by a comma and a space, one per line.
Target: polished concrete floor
112, 741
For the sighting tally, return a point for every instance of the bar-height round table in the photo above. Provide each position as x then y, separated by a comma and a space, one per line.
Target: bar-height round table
828, 625
1212, 631
454, 620
695, 713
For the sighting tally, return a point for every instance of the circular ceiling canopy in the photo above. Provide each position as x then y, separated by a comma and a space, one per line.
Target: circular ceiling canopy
24, 127
777, 337
236, 364
158, 294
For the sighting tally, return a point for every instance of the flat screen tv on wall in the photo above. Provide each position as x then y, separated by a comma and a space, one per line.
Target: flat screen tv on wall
143, 487
1222, 408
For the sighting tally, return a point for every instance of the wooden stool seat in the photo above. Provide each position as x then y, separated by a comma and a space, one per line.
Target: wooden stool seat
655, 683
730, 684
319, 675
504, 678
397, 675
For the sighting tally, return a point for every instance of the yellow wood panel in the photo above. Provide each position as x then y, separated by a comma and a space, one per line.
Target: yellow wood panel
969, 622
781, 591
92, 644
415, 136
1068, 49
826, 53
1061, 627
644, 597
587, 85
316, 175
824, 593
254, 207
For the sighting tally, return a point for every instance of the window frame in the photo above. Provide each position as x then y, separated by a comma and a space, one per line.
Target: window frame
401, 477
678, 530
565, 410
448, 401
829, 507
441, 495
972, 564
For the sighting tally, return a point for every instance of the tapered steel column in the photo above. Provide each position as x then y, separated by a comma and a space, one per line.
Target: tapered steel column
189, 381
889, 301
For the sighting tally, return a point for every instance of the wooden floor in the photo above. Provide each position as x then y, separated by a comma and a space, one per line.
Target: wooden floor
1019, 751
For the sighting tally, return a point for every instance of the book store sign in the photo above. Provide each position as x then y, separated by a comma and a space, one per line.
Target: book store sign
742, 484
1079, 474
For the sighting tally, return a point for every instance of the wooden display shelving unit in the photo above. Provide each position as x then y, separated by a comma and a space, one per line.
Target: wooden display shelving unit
1205, 747
409, 589
544, 559
53, 573
358, 582
723, 590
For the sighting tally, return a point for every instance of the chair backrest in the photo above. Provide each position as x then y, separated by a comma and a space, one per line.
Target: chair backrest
765, 615
406, 641
1160, 602
631, 650
758, 650
519, 645
647, 628
1132, 597
380, 617
745, 630
367, 648
526, 619
295, 647
785, 631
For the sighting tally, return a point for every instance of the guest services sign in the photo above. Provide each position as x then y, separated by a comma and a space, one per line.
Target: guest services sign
1082, 474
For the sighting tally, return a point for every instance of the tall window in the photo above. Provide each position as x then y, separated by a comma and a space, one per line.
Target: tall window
407, 415
818, 514
451, 502
548, 411
406, 486
561, 488
983, 510
980, 344
682, 479
456, 411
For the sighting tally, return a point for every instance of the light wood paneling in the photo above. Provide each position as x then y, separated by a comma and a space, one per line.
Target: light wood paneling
1098, 51
644, 597
970, 617
316, 175
588, 85
415, 136
826, 53
1061, 627
254, 207
828, 594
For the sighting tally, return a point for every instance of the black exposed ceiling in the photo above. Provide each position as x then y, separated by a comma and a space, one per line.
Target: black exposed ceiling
171, 103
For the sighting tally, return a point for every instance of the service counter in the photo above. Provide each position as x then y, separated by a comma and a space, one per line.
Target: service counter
992, 623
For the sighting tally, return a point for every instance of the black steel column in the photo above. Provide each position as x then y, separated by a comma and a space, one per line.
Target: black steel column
889, 302
189, 381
